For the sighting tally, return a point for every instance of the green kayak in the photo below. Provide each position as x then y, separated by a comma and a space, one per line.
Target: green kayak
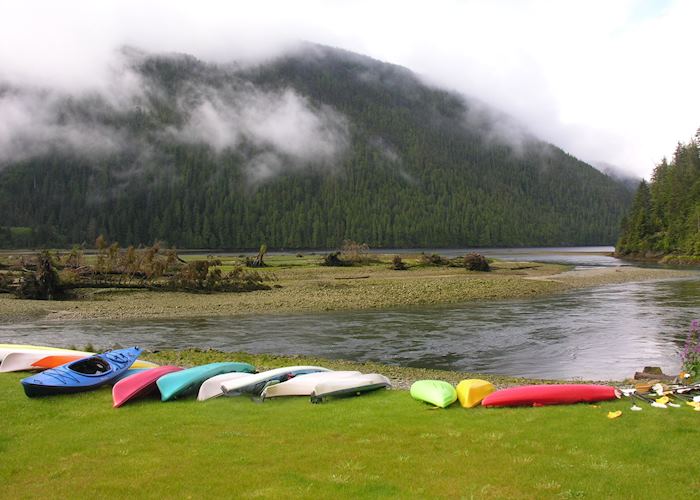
186, 381
435, 392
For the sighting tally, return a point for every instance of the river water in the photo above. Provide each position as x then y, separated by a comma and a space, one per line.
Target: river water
600, 333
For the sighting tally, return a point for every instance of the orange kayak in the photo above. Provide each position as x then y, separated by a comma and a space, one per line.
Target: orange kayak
54, 361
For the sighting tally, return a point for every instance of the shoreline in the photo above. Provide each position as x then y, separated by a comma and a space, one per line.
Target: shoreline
400, 376
308, 289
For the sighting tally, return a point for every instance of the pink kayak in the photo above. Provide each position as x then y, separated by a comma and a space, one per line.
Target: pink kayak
552, 394
140, 384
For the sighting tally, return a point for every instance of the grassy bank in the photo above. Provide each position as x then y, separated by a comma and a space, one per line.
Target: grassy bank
379, 445
300, 284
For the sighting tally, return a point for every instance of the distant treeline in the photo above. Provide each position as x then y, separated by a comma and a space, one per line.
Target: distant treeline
665, 215
423, 168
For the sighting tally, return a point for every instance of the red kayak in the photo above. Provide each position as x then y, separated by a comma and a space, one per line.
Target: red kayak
552, 394
140, 384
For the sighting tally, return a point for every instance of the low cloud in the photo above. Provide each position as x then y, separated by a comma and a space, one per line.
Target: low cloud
274, 131
36, 123
285, 130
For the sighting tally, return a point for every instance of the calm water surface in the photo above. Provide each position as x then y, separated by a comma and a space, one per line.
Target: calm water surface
607, 332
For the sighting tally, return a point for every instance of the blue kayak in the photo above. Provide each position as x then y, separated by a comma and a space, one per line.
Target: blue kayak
82, 375
186, 381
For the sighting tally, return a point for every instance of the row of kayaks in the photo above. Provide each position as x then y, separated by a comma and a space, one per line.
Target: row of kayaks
63, 371
91, 371
474, 392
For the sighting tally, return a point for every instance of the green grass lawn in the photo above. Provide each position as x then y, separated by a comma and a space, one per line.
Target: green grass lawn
380, 444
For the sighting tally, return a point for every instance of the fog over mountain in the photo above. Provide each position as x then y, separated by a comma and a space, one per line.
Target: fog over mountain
303, 150
590, 77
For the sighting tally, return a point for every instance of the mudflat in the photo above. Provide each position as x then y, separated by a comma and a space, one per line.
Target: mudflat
307, 287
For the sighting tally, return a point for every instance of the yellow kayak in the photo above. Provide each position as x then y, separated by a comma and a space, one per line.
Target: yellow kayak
470, 392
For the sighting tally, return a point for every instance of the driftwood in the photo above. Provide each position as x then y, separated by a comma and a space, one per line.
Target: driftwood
653, 373
649, 376
352, 277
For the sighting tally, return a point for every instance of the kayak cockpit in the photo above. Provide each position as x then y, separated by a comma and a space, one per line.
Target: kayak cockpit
91, 366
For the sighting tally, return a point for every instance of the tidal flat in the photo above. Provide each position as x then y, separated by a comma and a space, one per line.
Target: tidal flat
301, 284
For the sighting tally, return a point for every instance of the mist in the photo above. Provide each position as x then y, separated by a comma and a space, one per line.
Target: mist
281, 130
589, 77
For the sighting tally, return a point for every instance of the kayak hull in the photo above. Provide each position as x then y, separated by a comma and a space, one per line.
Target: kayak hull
346, 386
435, 392
211, 388
550, 394
6, 349
471, 392
304, 385
140, 384
256, 384
83, 375
183, 382
25, 359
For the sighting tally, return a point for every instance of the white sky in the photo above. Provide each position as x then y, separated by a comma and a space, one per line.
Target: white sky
615, 81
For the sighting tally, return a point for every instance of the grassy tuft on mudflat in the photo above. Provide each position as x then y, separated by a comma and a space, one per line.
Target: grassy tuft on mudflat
382, 444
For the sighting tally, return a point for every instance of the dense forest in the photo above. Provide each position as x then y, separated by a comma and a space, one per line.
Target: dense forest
665, 215
304, 151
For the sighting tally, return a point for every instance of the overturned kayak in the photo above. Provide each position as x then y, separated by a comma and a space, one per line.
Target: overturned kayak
211, 388
6, 349
435, 392
129, 373
346, 386
255, 384
40, 359
304, 385
24, 359
470, 392
139, 384
550, 394
183, 382
83, 375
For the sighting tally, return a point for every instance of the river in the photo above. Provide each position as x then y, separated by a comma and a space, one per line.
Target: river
602, 333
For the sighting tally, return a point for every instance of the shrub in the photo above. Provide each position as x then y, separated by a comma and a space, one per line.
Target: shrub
333, 259
205, 276
43, 283
433, 260
355, 253
690, 357
397, 264
476, 262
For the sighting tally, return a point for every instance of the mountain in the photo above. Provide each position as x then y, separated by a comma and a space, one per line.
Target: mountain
305, 150
665, 217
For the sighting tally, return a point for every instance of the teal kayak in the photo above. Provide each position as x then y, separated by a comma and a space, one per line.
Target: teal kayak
183, 382
435, 392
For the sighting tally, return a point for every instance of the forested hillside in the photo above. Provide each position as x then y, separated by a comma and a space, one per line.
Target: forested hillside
665, 216
307, 150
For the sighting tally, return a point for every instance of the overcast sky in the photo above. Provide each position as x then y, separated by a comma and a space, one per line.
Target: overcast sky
613, 81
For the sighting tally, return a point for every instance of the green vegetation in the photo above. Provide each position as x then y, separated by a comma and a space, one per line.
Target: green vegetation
49, 276
665, 216
382, 444
423, 167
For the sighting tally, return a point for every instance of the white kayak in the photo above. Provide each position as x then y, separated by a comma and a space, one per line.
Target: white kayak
349, 385
6, 349
236, 386
211, 387
23, 360
303, 385
19, 361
